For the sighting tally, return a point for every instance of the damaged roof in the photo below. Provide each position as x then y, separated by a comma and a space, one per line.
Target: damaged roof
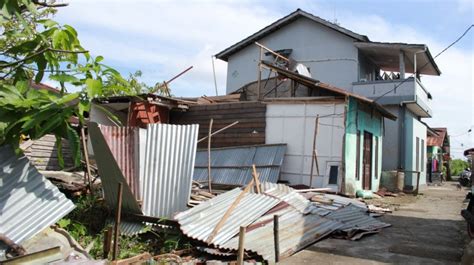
315, 84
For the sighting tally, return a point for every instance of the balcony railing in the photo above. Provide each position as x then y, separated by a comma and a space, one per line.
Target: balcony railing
390, 92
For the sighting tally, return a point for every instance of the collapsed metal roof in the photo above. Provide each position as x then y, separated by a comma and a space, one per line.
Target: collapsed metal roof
233, 165
199, 222
28, 201
300, 224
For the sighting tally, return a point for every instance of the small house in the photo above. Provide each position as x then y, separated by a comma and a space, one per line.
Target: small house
346, 130
437, 148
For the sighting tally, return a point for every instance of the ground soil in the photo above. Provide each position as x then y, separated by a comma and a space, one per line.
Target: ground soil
426, 229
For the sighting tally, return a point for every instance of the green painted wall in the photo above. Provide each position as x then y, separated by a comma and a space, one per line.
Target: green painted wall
361, 118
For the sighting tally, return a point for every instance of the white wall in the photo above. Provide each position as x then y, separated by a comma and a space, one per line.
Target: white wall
310, 41
414, 128
294, 124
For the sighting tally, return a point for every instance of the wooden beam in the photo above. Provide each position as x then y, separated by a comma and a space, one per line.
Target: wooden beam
314, 156
276, 237
87, 179
228, 212
255, 176
209, 137
241, 251
117, 221
272, 52
218, 131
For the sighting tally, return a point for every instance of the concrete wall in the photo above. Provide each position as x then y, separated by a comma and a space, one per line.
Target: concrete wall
331, 56
362, 119
413, 129
392, 144
294, 125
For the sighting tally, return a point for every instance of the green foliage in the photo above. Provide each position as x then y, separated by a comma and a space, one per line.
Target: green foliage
457, 166
32, 46
86, 223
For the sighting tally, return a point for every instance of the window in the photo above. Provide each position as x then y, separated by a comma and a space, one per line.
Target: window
376, 157
357, 155
333, 172
423, 150
417, 153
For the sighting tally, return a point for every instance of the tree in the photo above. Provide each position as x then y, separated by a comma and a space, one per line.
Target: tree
32, 45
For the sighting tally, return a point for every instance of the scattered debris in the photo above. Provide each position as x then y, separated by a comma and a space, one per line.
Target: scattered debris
28, 201
303, 220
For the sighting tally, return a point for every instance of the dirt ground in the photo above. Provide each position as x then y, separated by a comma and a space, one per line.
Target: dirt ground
426, 229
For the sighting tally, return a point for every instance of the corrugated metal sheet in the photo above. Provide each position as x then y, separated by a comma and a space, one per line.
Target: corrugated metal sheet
110, 173
126, 227
296, 231
288, 195
123, 143
233, 165
28, 201
168, 169
355, 218
199, 222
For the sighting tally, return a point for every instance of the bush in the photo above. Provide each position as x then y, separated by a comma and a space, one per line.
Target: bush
457, 166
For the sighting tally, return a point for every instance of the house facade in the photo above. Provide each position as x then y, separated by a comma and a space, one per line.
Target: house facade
438, 148
340, 57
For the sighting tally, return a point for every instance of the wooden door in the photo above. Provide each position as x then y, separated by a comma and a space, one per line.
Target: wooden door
367, 162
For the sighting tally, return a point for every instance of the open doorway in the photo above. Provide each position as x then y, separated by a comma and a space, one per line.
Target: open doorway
367, 162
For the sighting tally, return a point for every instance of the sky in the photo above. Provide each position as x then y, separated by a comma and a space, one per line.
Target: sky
162, 38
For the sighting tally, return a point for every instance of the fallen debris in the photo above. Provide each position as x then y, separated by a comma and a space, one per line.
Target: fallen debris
302, 220
28, 201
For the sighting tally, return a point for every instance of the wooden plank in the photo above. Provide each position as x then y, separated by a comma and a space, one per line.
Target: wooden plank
229, 211
241, 250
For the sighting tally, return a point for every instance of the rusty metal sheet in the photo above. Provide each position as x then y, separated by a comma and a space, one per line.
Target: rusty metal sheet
124, 145
28, 201
110, 173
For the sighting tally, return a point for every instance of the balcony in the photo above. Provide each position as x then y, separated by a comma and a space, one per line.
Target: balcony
411, 92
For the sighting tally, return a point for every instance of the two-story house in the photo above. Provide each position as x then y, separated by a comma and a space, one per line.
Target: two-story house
388, 73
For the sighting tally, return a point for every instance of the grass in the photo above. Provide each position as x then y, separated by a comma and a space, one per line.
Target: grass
87, 223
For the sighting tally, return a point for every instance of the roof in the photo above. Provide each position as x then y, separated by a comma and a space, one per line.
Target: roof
224, 55
233, 165
386, 55
437, 140
312, 83
29, 202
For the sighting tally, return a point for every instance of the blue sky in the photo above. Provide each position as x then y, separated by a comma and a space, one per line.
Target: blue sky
161, 38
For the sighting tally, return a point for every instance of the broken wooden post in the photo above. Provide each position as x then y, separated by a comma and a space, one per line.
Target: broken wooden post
255, 176
118, 212
314, 155
209, 156
241, 251
276, 237
107, 243
88, 165
228, 212
259, 69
